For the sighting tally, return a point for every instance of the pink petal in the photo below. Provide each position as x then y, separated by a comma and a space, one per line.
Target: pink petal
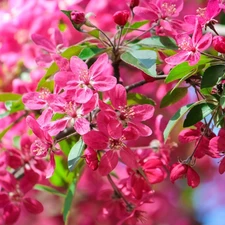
204, 42
104, 83
35, 127
178, 171
145, 13
108, 162
82, 126
57, 126
188, 135
128, 158
51, 166
90, 105
115, 129
193, 178
32, 205
222, 166
61, 78
118, 96
78, 67
4, 199
83, 95
96, 140
11, 213
58, 37
142, 129
197, 33
43, 42
98, 68
142, 112
178, 58
194, 58
155, 175
217, 144
33, 101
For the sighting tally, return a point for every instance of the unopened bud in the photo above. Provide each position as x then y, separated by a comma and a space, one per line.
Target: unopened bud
219, 44
121, 17
78, 17
134, 3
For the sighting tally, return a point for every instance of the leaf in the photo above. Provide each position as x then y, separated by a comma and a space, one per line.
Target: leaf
211, 76
159, 43
173, 96
145, 60
48, 189
180, 71
69, 200
177, 116
9, 97
130, 28
197, 113
14, 106
75, 153
222, 99
134, 99
88, 53
94, 33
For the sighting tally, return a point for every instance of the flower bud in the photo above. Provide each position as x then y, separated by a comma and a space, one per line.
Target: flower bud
219, 44
121, 17
134, 3
77, 17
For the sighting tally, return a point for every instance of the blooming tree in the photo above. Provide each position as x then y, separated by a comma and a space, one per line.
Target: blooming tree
95, 107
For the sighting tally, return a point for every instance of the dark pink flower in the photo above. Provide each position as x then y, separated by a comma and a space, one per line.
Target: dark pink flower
77, 17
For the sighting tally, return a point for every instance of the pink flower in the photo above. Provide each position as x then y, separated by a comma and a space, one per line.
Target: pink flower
129, 116
180, 170
77, 17
219, 44
86, 81
205, 16
190, 48
114, 142
12, 197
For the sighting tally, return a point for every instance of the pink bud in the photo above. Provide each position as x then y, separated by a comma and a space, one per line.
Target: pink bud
134, 3
179, 170
121, 17
219, 44
77, 17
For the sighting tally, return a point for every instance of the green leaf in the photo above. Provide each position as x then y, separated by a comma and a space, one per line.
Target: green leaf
7, 96
134, 99
69, 200
222, 99
212, 75
197, 113
14, 106
94, 33
159, 43
88, 53
177, 116
145, 60
173, 96
75, 153
48, 189
130, 28
180, 71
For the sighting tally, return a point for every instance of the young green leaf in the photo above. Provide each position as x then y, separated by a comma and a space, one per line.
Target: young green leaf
197, 113
145, 60
69, 200
48, 189
212, 75
75, 153
129, 28
173, 96
88, 53
9, 97
134, 98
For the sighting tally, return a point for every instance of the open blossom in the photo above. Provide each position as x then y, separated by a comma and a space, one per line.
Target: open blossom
13, 195
85, 82
129, 116
205, 16
164, 12
190, 48
114, 142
